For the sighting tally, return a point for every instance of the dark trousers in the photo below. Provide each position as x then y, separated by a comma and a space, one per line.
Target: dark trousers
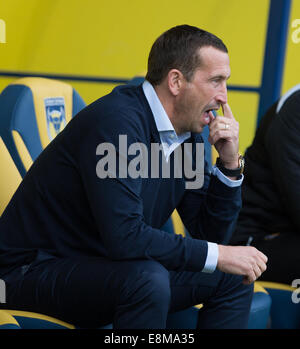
91, 292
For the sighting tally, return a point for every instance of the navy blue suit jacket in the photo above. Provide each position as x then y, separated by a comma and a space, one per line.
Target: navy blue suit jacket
63, 209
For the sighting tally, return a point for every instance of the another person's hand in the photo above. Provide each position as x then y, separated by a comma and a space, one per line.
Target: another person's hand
242, 260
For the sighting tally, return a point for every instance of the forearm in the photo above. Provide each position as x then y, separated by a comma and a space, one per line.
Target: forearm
211, 214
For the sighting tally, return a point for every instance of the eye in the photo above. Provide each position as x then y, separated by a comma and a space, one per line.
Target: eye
216, 80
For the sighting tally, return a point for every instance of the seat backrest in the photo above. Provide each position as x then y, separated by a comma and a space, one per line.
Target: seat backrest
10, 177
32, 112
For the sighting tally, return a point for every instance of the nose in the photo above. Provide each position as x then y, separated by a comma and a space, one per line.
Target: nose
221, 96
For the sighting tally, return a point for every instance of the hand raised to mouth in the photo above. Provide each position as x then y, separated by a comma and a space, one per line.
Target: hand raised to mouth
224, 135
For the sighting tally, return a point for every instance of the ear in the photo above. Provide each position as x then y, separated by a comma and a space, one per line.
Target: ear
175, 81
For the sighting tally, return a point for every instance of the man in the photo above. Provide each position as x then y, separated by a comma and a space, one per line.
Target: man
81, 238
270, 217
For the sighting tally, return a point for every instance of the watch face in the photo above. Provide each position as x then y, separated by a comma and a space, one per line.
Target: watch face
242, 163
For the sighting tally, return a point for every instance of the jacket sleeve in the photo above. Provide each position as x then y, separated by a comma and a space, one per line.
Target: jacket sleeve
283, 145
117, 206
210, 213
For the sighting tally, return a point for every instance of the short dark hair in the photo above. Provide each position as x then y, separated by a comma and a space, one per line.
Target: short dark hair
177, 48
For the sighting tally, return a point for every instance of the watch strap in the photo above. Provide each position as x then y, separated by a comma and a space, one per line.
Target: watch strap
231, 172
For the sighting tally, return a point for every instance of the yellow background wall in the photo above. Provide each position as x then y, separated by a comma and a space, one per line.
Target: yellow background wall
112, 39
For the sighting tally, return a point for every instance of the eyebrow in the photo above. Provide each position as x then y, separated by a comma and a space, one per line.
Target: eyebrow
223, 77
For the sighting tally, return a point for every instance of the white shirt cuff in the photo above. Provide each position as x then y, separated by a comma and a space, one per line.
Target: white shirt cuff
224, 179
212, 258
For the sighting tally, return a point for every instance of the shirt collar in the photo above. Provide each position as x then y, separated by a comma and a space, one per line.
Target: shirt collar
161, 118
168, 136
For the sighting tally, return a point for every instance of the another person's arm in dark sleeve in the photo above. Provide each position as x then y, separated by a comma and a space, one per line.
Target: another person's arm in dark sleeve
283, 144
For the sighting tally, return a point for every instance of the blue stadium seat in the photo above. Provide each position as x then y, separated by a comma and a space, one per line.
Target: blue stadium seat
32, 112
10, 177
285, 309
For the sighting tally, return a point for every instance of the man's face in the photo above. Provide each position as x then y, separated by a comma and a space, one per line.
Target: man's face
206, 91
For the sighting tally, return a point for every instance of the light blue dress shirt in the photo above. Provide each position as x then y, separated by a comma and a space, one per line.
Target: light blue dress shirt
170, 141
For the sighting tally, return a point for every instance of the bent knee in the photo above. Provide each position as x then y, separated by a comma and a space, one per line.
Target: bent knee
149, 280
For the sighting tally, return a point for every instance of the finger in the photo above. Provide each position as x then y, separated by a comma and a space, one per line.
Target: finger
221, 119
220, 122
249, 278
263, 257
211, 116
219, 126
257, 271
262, 265
227, 111
219, 134
262, 260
